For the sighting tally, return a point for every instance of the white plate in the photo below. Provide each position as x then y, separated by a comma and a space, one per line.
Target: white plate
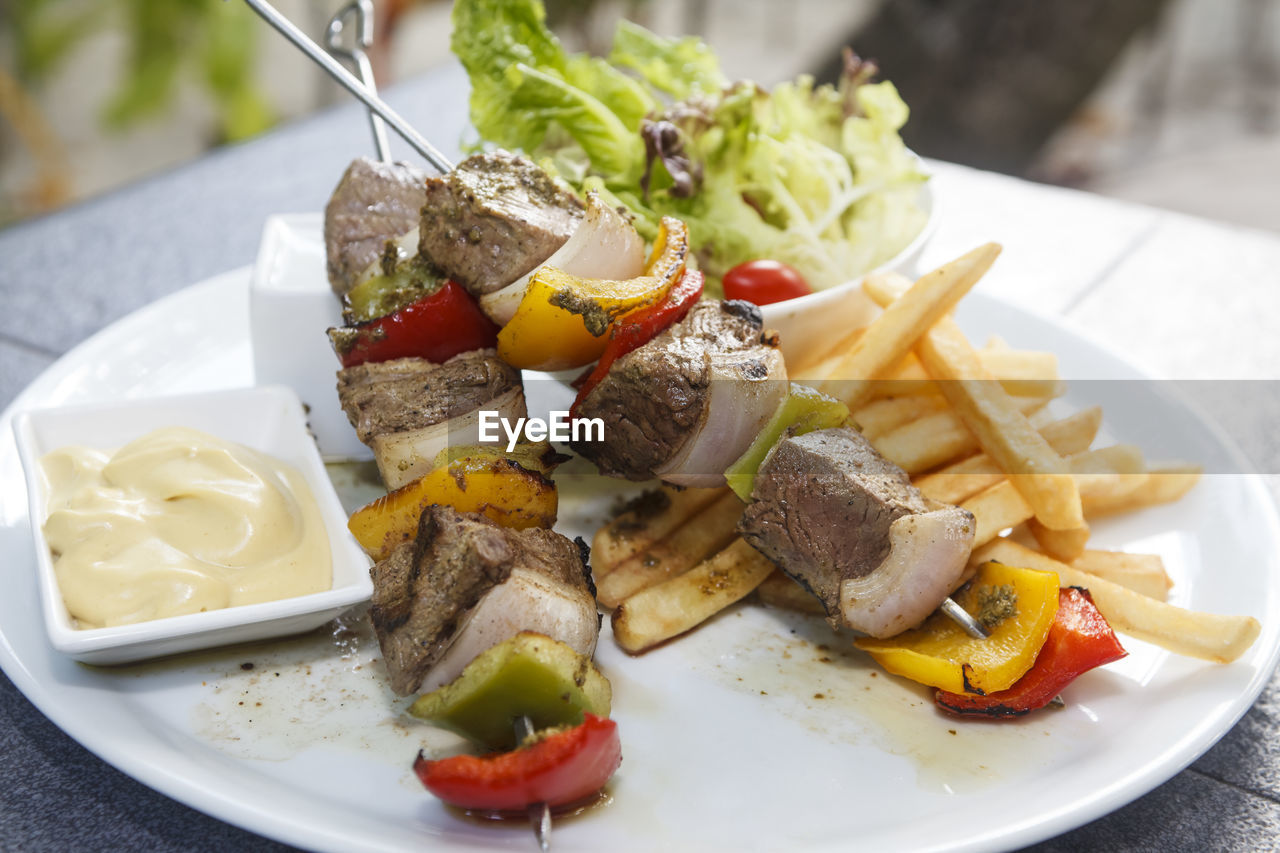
727, 746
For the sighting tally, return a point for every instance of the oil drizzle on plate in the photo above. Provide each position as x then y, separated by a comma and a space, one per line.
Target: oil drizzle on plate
810, 674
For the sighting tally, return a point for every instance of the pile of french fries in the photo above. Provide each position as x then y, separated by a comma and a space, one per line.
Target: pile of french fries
972, 428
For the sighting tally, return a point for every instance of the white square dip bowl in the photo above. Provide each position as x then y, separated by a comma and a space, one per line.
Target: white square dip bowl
267, 419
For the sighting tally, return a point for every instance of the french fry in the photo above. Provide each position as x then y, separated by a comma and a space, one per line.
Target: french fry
1074, 433
885, 415
996, 343
1065, 545
892, 334
701, 536
905, 379
960, 480
998, 508
687, 600
1024, 373
966, 478
1108, 473
657, 514
782, 592
820, 367
1163, 484
936, 439
1143, 573
1001, 429
1208, 636
926, 443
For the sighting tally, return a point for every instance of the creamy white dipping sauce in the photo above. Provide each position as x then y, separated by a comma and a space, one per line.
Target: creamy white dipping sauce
179, 522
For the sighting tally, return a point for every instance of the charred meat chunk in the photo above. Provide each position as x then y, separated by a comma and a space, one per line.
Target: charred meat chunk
849, 525
657, 399
407, 393
466, 584
373, 203
494, 218
409, 409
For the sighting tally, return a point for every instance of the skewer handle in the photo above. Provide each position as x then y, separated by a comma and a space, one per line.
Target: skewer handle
360, 12
349, 82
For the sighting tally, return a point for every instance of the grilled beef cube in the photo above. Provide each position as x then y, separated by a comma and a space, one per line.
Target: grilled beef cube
409, 409
407, 393
656, 400
848, 525
373, 203
466, 584
494, 218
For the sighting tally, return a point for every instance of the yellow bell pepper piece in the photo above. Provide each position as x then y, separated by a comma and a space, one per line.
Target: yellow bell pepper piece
939, 653
670, 250
563, 321
487, 483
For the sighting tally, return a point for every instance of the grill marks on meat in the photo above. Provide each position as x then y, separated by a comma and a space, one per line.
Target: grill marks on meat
656, 397
494, 218
373, 203
426, 593
410, 393
848, 525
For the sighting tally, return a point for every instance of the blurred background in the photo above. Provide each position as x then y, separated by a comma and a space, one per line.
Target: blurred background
1174, 103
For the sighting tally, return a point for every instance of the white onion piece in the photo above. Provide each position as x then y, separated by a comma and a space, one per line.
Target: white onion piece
527, 601
406, 247
738, 407
406, 455
604, 246
928, 553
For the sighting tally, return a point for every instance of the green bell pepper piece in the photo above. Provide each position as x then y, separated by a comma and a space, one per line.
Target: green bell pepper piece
528, 675
400, 283
804, 410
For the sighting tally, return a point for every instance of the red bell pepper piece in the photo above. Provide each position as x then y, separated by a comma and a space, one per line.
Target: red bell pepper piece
1079, 640
436, 327
561, 769
636, 329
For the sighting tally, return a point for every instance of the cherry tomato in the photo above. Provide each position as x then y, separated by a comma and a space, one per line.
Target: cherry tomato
764, 282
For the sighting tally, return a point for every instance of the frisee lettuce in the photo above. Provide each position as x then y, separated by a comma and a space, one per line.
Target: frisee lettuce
814, 176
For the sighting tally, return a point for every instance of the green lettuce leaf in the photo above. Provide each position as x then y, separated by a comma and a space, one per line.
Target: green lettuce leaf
682, 68
527, 93
815, 176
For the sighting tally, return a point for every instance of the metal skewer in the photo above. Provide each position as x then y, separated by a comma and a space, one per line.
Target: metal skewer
539, 813
349, 82
361, 13
962, 618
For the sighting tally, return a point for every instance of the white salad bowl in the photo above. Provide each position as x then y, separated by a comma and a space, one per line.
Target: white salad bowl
810, 325
267, 419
